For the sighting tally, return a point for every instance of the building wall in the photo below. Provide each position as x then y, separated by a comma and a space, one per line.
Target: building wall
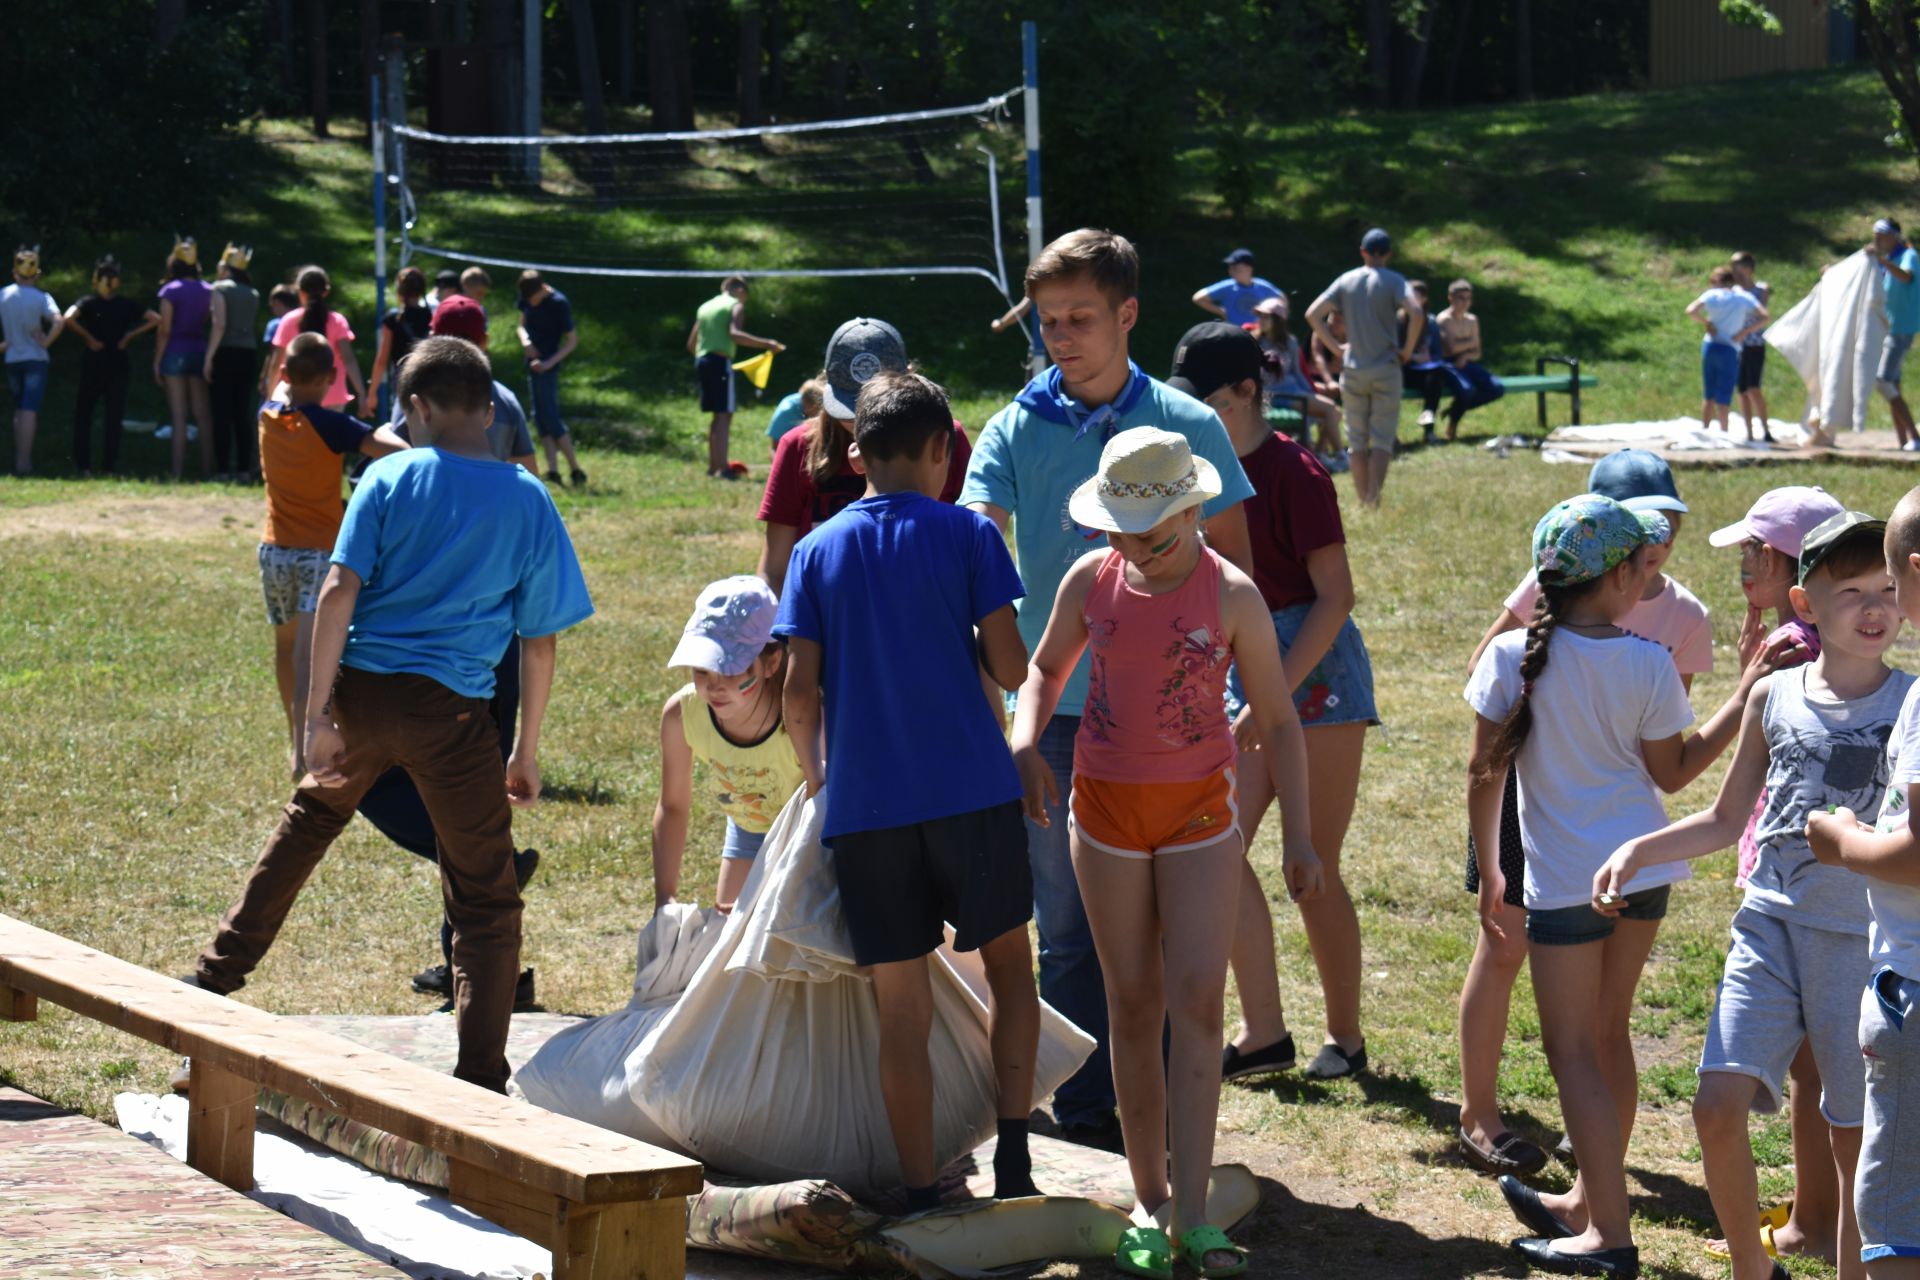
1692, 43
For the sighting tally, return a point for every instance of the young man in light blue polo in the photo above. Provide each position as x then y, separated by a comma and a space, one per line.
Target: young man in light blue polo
1234, 298
1899, 261
1027, 462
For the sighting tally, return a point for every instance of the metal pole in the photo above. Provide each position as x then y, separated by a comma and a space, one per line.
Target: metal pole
379, 131
530, 85
1030, 106
993, 216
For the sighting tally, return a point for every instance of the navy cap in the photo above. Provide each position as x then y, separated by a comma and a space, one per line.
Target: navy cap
1239, 256
1377, 242
859, 350
1636, 479
1213, 354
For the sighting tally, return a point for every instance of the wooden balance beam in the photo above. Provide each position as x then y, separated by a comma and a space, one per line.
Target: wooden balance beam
605, 1204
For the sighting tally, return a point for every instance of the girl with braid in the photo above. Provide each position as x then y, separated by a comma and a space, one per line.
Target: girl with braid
1590, 717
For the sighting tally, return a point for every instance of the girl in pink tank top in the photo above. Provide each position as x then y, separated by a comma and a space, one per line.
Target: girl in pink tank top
1152, 818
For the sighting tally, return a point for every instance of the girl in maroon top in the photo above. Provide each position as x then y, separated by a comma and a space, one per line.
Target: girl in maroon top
1300, 566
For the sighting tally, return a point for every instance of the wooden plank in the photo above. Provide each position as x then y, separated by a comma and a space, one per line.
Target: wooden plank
569, 1158
636, 1241
17, 1005
220, 1120
523, 1210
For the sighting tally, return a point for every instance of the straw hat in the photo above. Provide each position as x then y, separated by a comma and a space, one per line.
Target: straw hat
1146, 475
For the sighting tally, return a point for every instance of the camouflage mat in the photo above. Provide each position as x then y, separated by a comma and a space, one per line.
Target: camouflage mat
806, 1221
83, 1200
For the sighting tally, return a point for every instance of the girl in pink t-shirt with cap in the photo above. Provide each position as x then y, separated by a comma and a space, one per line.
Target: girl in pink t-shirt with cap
1153, 812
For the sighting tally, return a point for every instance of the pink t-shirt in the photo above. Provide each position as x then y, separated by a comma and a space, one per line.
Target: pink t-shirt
338, 331
1157, 681
1675, 619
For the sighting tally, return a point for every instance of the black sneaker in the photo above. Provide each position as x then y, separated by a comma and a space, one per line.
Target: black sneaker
579, 478
525, 863
1274, 1058
523, 998
434, 980
553, 477
1102, 1134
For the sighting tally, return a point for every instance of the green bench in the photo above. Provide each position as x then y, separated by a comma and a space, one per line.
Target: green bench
1539, 384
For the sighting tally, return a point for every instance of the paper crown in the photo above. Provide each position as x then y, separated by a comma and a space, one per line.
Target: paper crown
237, 256
185, 249
26, 260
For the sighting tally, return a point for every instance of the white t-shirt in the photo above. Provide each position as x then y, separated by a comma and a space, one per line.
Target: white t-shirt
1894, 936
1675, 620
1584, 788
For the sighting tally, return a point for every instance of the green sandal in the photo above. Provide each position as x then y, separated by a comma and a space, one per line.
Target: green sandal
1196, 1244
1144, 1251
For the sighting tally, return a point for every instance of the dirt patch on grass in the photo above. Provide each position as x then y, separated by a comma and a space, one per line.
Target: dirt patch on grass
135, 518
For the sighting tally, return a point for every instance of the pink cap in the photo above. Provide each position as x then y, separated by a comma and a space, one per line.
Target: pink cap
1781, 518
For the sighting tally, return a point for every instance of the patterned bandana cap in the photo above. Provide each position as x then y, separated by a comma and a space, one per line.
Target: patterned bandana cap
1584, 537
1659, 531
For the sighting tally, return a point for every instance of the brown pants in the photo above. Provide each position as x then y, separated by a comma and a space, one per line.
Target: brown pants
451, 747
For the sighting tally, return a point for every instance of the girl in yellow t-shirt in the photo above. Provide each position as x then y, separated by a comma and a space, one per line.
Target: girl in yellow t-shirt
728, 719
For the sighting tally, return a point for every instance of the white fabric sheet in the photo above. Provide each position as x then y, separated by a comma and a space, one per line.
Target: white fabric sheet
1832, 339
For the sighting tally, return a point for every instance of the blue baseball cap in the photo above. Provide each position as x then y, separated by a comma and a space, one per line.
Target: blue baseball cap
1239, 256
859, 349
1376, 242
1638, 480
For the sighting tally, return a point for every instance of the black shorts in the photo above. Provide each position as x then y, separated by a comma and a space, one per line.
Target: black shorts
1753, 362
900, 885
716, 383
1513, 857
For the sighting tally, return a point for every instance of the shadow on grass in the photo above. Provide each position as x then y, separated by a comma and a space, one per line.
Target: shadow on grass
1289, 1236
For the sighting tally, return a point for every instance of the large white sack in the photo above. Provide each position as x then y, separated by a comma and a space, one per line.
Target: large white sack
1832, 339
766, 1066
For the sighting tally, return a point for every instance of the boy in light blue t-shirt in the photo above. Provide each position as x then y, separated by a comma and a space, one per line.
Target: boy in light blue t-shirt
418, 606
1027, 462
1234, 298
891, 610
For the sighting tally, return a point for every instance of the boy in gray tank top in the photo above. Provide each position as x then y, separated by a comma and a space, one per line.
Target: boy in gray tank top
1815, 737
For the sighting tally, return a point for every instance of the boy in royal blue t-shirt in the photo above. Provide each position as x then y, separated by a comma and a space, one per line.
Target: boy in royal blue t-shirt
881, 608
419, 604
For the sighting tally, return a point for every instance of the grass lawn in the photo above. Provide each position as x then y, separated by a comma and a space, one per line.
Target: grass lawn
142, 757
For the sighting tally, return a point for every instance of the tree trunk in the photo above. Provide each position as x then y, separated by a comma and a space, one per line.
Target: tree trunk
168, 17
1888, 28
669, 79
1523, 50
1379, 19
317, 65
776, 68
1416, 47
370, 61
930, 59
751, 49
586, 50
282, 39
624, 37
1457, 52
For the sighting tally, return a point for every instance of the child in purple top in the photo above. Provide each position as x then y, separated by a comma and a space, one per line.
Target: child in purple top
180, 353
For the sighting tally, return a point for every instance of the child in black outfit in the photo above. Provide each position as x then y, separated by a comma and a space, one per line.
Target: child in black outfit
107, 323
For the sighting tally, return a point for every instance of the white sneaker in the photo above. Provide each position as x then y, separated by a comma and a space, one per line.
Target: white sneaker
1911, 446
1426, 418
164, 433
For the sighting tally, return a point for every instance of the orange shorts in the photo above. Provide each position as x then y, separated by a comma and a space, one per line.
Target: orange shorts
1141, 819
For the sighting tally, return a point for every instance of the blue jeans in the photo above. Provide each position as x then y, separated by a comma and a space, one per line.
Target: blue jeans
544, 389
1070, 978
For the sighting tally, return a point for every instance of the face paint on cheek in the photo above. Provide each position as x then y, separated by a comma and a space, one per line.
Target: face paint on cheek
748, 683
1173, 540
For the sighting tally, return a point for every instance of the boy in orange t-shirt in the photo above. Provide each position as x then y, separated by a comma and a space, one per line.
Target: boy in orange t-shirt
301, 445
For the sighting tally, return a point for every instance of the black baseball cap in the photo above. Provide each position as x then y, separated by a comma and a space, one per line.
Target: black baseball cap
1213, 355
1239, 256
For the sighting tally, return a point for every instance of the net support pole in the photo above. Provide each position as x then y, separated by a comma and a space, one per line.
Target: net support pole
1030, 109
379, 131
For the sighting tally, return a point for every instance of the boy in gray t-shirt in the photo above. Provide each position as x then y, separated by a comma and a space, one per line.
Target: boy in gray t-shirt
1370, 299
1815, 738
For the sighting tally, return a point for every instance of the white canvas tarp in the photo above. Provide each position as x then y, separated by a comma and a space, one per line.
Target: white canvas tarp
750, 1041
1832, 339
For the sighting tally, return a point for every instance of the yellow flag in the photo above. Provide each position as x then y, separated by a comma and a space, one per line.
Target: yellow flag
758, 369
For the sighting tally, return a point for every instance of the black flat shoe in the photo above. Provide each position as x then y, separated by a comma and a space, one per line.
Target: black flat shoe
1274, 1058
1542, 1256
1526, 1206
1508, 1153
1334, 1063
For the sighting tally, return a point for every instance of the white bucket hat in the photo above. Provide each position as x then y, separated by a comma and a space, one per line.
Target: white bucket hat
1146, 475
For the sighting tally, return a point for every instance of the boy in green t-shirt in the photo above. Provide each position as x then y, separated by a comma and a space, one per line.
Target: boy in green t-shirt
716, 335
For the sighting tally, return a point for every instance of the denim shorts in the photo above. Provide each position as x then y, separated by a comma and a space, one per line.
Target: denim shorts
183, 364
741, 844
1339, 689
28, 381
1571, 926
1893, 354
1719, 371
